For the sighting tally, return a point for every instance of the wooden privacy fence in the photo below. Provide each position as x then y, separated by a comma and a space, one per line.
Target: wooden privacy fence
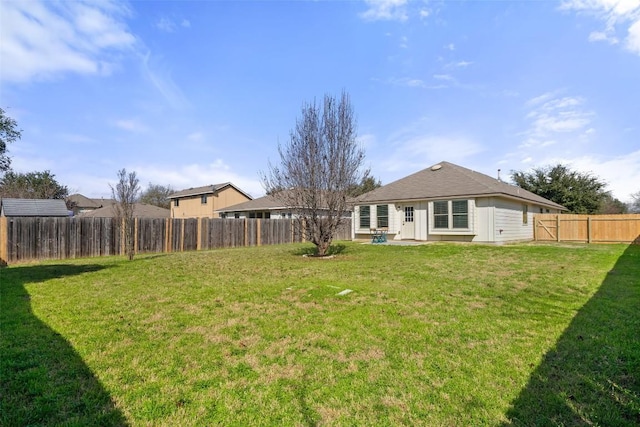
587, 228
23, 239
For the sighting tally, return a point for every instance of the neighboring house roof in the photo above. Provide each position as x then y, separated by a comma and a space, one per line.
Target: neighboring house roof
207, 189
33, 207
83, 202
140, 210
447, 180
262, 203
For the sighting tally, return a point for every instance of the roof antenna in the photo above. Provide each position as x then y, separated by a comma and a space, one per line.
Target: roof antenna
499, 175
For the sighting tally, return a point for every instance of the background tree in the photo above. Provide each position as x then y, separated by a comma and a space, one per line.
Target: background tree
634, 206
9, 132
318, 166
580, 193
611, 205
157, 195
125, 194
366, 184
32, 185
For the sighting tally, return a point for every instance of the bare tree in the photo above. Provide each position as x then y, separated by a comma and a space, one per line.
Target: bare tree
318, 167
125, 194
634, 206
157, 195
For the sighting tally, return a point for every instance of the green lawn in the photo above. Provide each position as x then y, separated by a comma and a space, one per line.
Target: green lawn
436, 335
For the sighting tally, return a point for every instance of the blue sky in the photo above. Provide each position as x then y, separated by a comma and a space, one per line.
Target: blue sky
192, 93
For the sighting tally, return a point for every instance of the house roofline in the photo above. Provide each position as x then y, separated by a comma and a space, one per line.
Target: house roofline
460, 196
209, 189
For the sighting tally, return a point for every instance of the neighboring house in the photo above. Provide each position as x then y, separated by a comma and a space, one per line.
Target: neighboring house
207, 201
33, 207
140, 210
262, 207
80, 204
266, 207
449, 202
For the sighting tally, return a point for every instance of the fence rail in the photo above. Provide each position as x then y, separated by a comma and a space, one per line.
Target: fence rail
587, 228
39, 238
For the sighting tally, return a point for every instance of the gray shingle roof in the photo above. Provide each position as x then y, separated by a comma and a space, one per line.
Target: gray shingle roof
449, 181
207, 189
140, 210
81, 201
33, 207
261, 203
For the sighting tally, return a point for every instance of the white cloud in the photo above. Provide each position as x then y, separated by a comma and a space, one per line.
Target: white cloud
196, 175
162, 81
168, 25
413, 83
131, 125
551, 116
195, 137
458, 64
633, 39
385, 10
417, 151
445, 77
42, 40
615, 14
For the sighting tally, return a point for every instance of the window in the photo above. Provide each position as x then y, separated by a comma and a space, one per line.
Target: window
440, 215
408, 214
451, 214
365, 216
223, 215
460, 211
236, 215
176, 203
525, 214
203, 199
382, 214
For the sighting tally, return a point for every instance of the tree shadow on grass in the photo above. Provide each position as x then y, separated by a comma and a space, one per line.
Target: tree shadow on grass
592, 375
334, 249
44, 380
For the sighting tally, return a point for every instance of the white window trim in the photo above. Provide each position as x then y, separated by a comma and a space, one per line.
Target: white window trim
469, 231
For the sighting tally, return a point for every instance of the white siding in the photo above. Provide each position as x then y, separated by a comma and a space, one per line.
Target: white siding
485, 220
508, 221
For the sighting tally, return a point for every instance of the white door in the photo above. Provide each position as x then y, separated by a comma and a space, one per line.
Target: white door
408, 227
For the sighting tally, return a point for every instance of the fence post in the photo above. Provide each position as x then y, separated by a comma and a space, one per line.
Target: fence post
136, 232
589, 229
182, 235
4, 241
258, 223
246, 232
199, 234
558, 227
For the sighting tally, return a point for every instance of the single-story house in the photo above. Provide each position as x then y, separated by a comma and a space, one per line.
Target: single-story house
80, 204
266, 207
140, 210
207, 201
450, 202
263, 207
33, 207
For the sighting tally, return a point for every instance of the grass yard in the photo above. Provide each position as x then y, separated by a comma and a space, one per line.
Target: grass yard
435, 335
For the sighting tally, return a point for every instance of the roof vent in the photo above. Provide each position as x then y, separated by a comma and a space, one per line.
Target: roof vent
436, 167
